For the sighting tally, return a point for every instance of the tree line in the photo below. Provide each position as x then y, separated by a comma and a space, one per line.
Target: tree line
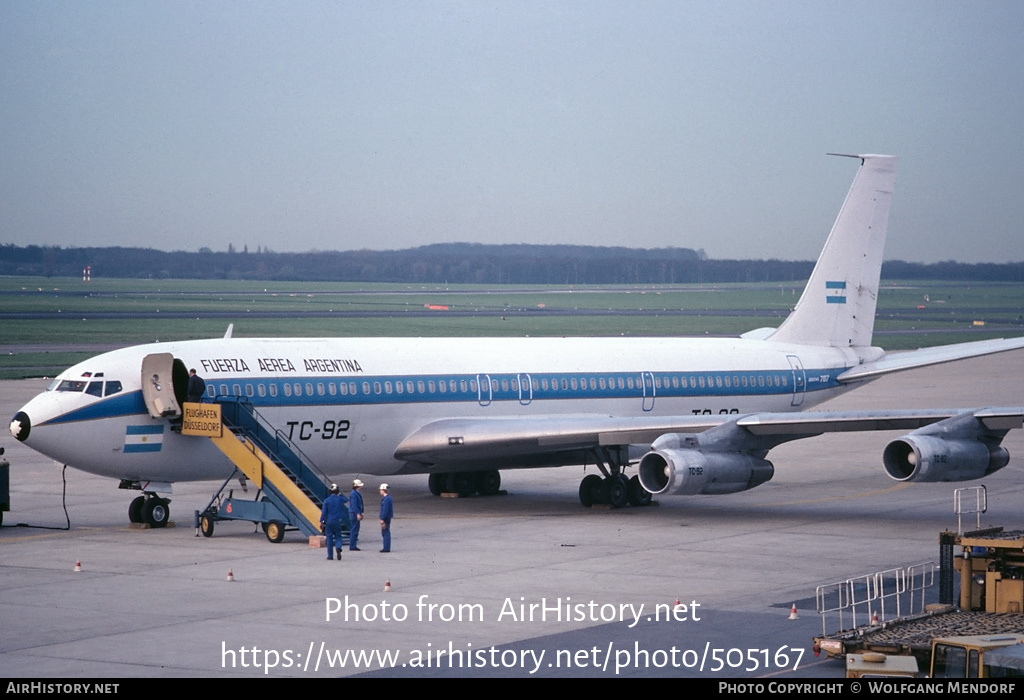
457, 263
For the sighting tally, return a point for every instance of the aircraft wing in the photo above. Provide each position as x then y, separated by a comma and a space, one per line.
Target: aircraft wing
897, 362
454, 440
818, 422
467, 439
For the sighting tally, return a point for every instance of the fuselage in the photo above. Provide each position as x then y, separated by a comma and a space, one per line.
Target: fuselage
349, 403
384, 405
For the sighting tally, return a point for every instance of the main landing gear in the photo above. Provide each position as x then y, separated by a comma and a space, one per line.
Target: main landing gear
613, 488
150, 509
466, 483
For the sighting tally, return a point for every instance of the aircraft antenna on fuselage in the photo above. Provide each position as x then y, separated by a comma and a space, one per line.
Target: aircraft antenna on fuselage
837, 307
231, 329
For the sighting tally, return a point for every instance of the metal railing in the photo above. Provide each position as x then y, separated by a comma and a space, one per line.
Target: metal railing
980, 505
239, 412
897, 592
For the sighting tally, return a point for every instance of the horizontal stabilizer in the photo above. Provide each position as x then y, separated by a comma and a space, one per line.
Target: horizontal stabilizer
898, 362
759, 333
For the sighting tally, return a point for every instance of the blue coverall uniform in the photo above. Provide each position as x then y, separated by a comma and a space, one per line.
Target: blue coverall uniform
331, 519
387, 511
355, 507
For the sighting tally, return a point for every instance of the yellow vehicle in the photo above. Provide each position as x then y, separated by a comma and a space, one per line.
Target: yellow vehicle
978, 656
875, 665
991, 571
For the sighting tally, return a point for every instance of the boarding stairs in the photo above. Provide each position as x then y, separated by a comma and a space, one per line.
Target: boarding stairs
291, 488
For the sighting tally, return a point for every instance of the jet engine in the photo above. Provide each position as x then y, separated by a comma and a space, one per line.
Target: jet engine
960, 448
689, 471
926, 458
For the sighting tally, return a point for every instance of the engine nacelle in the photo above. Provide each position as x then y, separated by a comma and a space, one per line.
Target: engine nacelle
687, 471
918, 457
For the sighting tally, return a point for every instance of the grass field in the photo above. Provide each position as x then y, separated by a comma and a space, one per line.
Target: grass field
58, 316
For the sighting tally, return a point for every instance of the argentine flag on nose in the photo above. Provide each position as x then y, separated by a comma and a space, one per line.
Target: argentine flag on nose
143, 438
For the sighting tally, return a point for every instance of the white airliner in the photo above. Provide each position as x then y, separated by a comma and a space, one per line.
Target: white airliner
699, 414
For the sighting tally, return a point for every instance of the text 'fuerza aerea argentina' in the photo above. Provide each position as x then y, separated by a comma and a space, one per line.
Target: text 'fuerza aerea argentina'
321, 365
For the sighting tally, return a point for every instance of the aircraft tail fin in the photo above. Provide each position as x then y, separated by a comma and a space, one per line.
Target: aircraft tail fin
837, 307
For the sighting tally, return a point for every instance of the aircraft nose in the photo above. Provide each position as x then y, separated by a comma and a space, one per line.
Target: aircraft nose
21, 426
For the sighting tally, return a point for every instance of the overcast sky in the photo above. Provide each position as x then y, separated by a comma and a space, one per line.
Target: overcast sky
346, 125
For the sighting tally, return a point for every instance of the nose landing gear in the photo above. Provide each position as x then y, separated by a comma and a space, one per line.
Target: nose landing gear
150, 509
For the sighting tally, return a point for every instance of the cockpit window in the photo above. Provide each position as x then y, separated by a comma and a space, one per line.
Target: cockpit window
92, 388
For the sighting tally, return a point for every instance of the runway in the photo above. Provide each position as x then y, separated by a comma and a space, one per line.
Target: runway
151, 603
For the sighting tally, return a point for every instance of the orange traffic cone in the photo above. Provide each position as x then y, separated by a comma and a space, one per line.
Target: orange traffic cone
792, 613
231, 575
387, 585
874, 618
78, 565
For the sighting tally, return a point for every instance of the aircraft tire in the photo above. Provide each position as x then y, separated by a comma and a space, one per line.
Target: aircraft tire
591, 489
638, 495
436, 483
156, 511
488, 483
617, 490
462, 483
275, 531
135, 510
206, 526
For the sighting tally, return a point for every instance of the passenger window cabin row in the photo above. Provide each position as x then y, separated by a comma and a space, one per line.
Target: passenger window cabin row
511, 387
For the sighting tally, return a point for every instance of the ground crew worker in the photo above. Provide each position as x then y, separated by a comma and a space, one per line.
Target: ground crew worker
355, 515
331, 518
387, 512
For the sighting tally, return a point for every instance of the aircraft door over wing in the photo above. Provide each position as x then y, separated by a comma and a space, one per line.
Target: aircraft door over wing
483, 389
647, 383
799, 379
164, 384
525, 389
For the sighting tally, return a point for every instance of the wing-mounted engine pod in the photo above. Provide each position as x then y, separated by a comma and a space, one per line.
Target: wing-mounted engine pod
689, 472
929, 458
655, 473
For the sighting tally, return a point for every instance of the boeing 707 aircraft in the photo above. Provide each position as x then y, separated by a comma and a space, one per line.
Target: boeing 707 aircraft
692, 416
